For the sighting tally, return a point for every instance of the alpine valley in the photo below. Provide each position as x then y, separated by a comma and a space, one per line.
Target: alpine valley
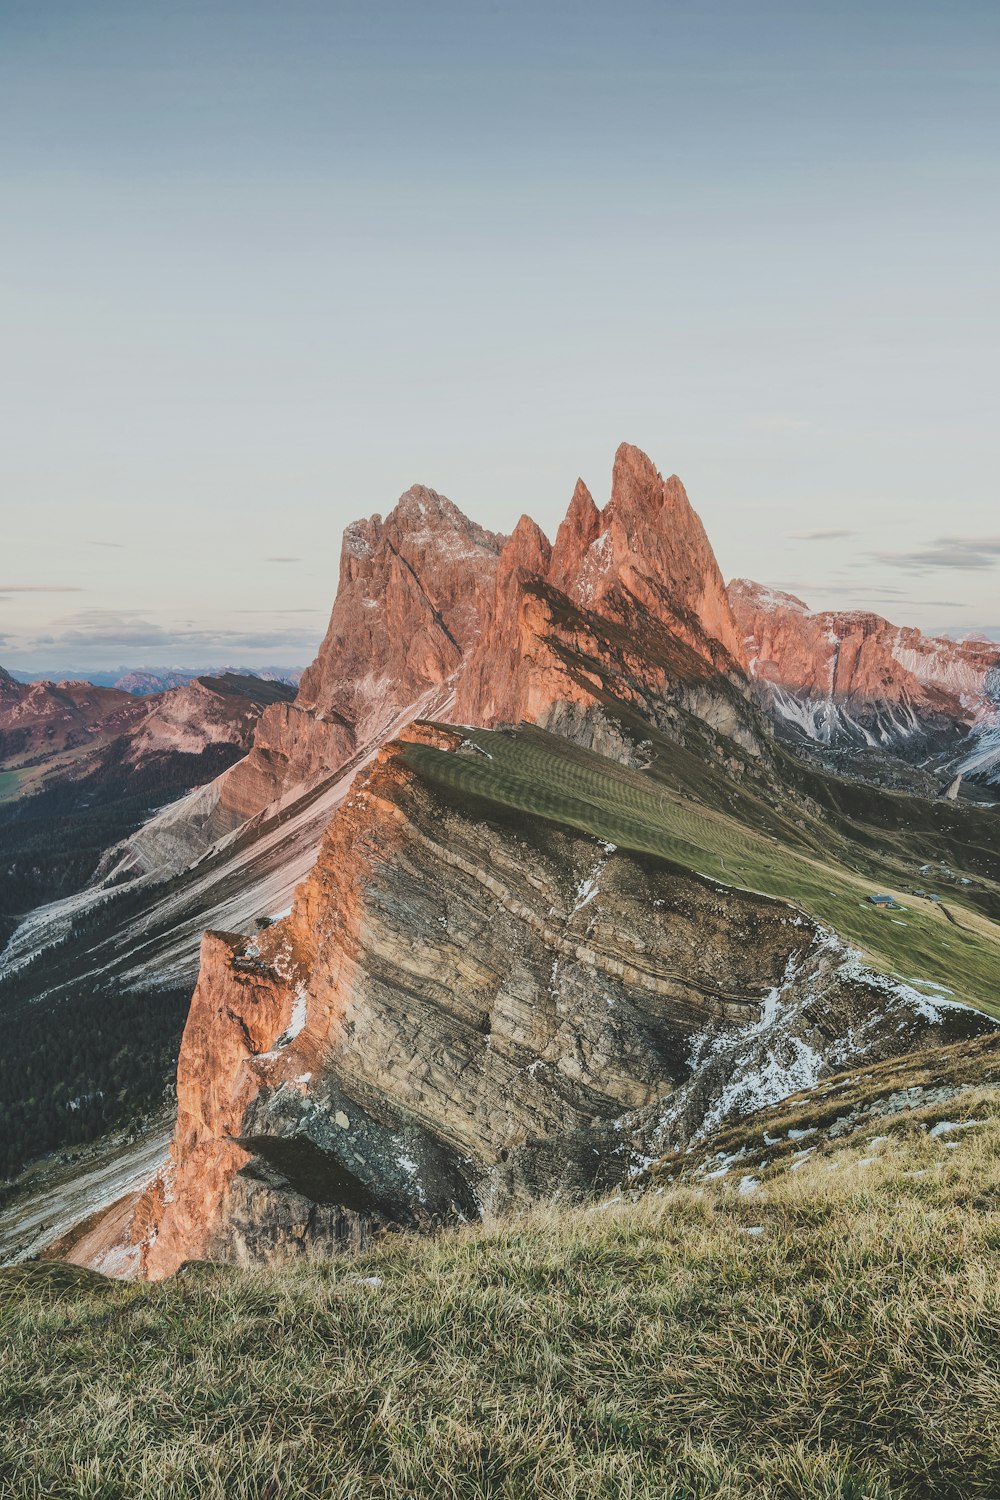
553, 874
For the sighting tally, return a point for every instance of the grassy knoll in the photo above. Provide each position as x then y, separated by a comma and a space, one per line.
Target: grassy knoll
834, 1333
692, 815
8, 783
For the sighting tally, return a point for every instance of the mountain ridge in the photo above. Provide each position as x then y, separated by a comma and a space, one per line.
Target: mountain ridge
852, 679
645, 778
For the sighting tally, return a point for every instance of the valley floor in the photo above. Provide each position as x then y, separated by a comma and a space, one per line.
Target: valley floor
808, 1307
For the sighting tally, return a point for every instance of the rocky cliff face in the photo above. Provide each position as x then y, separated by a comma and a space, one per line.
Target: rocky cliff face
436, 616
429, 604
854, 679
628, 603
409, 605
463, 1013
467, 1006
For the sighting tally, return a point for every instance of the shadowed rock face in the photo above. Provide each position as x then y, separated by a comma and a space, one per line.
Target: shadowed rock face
630, 596
465, 1012
854, 679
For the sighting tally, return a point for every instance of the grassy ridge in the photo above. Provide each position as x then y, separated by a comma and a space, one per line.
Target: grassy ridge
735, 835
835, 1334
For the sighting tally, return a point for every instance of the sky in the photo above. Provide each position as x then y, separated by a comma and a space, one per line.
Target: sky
265, 265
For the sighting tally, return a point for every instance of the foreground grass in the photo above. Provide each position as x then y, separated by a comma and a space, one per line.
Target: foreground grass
836, 1334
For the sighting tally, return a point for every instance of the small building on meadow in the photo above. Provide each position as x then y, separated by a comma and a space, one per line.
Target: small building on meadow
881, 900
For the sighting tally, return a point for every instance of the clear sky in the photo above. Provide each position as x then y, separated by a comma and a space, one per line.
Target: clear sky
264, 265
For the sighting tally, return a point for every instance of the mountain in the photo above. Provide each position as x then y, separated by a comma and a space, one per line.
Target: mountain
57, 731
541, 895
142, 680
628, 603
853, 681
412, 592
81, 768
41, 722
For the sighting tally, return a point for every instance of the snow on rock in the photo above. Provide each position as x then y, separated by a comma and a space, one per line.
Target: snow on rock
790, 1046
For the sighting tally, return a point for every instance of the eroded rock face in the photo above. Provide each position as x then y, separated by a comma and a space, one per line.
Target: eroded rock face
409, 605
855, 679
628, 602
430, 605
464, 1013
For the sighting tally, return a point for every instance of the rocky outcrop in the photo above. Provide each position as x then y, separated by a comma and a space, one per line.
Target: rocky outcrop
435, 615
854, 679
465, 1012
628, 604
409, 605
206, 711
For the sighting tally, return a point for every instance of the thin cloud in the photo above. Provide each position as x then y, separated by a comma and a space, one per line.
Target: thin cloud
817, 536
283, 559
972, 553
92, 543
41, 588
94, 638
842, 598
909, 599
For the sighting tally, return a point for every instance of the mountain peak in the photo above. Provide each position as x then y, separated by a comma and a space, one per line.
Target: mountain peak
577, 534
528, 549
634, 467
748, 594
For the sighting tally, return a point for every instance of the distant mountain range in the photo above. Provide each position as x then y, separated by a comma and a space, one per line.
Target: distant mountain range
82, 766
142, 681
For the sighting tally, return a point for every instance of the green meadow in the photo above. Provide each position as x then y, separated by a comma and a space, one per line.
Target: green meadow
684, 810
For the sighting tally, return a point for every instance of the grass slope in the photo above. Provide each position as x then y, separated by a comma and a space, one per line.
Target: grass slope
688, 811
834, 1334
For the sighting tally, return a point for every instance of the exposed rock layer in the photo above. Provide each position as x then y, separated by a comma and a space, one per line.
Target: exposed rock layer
462, 1013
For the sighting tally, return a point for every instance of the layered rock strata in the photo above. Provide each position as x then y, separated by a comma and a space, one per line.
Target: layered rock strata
464, 1012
